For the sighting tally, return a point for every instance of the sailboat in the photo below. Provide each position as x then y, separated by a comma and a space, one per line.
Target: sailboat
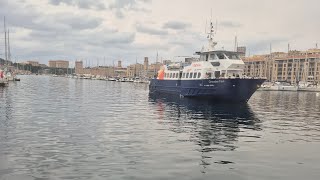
3, 80
8, 75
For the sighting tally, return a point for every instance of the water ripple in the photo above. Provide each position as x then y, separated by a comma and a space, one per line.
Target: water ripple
58, 128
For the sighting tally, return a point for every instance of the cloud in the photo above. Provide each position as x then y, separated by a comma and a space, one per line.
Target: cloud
148, 30
121, 7
177, 25
230, 24
83, 4
127, 4
46, 29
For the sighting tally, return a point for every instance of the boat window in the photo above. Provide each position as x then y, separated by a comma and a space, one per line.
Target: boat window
215, 63
213, 56
232, 55
199, 75
173, 75
235, 56
191, 74
177, 75
217, 74
221, 56
183, 75
202, 58
180, 75
207, 57
208, 75
229, 55
170, 75
194, 75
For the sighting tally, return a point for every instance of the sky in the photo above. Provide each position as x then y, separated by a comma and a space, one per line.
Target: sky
100, 32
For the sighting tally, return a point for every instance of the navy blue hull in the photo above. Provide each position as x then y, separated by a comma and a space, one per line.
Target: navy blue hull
239, 90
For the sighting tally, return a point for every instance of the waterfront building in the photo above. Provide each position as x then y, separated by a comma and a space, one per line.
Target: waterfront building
134, 70
291, 67
33, 63
119, 64
58, 64
146, 63
78, 67
242, 51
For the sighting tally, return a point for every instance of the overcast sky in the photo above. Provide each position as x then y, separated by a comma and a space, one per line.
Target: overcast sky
131, 29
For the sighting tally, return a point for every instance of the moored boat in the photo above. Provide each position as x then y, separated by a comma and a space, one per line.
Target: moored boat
216, 74
3, 79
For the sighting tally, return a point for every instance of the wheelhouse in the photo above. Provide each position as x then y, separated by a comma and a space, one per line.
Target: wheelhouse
218, 55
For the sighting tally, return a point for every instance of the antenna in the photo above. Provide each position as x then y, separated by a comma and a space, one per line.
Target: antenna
316, 45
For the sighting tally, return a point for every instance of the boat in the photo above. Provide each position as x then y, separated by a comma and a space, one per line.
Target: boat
310, 87
216, 74
3, 80
278, 86
112, 79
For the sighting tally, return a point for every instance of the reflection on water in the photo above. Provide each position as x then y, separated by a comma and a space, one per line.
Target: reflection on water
213, 126
59, 128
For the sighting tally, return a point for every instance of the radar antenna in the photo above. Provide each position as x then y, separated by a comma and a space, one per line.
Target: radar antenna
211, 42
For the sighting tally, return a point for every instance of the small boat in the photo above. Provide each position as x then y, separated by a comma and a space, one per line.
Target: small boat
112, 79
310, 87
283, 86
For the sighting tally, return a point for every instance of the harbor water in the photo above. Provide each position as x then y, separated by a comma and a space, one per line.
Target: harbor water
62, 128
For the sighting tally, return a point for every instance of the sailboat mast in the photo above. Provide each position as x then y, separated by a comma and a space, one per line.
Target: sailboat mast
5, 39
9, 53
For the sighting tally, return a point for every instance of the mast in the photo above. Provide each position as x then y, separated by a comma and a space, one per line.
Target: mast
113, 68
9, 53
5, 39
235, 43
135, 73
